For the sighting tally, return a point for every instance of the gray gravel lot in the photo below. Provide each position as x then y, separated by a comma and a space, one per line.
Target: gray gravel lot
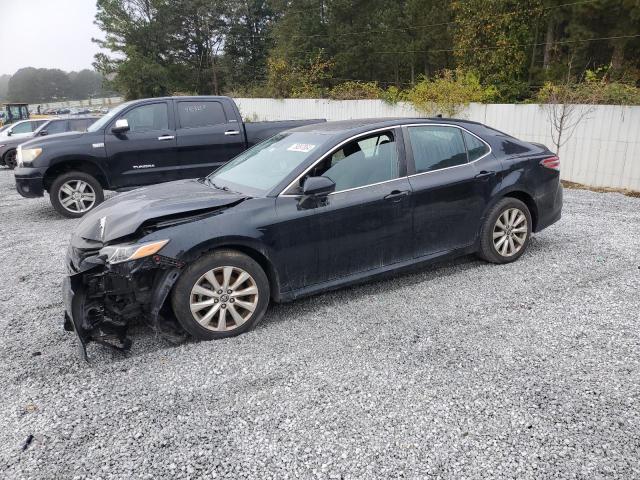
462, 370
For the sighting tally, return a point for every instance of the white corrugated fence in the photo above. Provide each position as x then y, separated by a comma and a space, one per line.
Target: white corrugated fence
604, 150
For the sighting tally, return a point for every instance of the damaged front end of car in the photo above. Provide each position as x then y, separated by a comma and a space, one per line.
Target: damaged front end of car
125, 256
110, 287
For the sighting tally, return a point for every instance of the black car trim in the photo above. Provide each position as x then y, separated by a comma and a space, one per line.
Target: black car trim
372, 274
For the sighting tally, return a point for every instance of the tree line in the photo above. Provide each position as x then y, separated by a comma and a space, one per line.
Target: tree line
39, 85
503, 50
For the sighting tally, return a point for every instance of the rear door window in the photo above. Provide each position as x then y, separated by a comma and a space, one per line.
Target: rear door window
194, 114
436, 147
476, 147
78, 125
56, 126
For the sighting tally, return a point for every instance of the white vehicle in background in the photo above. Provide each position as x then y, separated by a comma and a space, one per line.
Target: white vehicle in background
23, 128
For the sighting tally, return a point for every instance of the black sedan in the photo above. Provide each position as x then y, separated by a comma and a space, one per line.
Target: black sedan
309, 210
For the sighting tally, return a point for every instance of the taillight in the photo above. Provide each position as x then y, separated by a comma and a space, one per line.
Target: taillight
552, 162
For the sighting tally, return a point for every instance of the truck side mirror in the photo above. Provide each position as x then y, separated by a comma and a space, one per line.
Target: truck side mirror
121, 126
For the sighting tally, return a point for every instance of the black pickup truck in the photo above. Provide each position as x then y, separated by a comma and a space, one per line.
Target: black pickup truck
138, 143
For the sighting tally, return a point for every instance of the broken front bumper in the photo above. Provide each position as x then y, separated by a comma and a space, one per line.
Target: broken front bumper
102, 300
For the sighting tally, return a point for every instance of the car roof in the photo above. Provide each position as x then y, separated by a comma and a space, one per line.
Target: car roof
355, 126
79, 117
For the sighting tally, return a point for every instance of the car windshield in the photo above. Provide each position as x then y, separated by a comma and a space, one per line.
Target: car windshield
99, 125
264, 166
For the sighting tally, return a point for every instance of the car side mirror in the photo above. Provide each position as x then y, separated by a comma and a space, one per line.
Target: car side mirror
121, 126
9, 133
44, 133
318, 186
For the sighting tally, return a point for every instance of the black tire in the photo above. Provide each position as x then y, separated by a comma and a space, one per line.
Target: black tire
10, 159
488, 250
61, 180
181, 295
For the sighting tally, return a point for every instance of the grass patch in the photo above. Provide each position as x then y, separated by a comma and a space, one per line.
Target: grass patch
580, 186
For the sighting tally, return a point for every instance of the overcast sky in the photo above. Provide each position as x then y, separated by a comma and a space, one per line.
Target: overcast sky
47, 34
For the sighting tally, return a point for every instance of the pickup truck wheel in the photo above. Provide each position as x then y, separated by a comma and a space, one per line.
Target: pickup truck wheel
506, 231
10, 159
222, 294
75, 193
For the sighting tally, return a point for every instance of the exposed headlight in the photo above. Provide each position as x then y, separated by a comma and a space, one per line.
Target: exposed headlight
126, 253
26, 156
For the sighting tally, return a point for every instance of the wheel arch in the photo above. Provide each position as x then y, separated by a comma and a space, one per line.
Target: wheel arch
248, 248
75, 164
4, 155
528, 200
519, 194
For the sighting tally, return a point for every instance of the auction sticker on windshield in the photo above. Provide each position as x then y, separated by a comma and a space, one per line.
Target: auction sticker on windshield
301, 147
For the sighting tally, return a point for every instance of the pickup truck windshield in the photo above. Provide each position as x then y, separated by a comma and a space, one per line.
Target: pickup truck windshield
100, 124
265, 165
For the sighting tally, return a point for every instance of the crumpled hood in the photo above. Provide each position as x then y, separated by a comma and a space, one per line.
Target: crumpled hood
124, 213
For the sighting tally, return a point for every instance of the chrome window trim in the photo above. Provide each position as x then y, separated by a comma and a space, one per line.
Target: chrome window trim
333, 150
465, 145
392, 127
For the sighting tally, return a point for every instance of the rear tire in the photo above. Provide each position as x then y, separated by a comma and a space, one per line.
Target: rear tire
505, 234
221, 295
10, 159
74, 194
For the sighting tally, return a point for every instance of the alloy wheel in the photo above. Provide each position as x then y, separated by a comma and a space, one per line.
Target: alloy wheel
510, 232
224, 298
77, 196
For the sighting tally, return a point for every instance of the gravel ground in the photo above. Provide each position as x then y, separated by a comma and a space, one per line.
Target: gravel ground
462, 370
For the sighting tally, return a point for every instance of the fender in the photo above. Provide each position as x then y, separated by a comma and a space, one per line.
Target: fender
77, 160
247, 245
502, 191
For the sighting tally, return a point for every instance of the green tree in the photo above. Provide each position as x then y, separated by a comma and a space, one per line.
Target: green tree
493, 38
39, 85
139, 33
4, 86
86, 84
248, 41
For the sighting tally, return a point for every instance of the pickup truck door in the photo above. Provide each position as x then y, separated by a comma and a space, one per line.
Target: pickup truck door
145, 154
208, 136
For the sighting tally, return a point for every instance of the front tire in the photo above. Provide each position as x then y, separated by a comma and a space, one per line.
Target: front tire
505, 234
221, 295
75, 193
10, 159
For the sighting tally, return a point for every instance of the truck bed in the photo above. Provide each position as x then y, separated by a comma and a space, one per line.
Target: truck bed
256, 132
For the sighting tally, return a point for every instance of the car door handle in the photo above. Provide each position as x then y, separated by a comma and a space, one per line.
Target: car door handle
397, 195
232, 132
485, 174
162, 138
